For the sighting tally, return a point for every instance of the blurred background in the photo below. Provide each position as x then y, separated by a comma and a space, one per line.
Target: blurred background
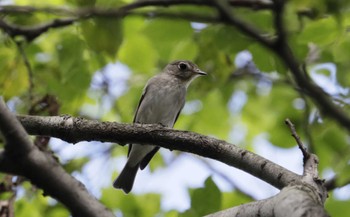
96, 68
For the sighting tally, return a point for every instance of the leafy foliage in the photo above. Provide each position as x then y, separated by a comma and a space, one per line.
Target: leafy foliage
63, 61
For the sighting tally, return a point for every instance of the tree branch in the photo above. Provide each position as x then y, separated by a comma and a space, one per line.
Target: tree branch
228, 17
32, 32
74, 130
295, 200
11, 9
292, 201
21, 157
302, 147
318, 96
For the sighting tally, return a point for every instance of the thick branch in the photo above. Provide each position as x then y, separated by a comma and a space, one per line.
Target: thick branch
76, 129
17, 140
7, 165
292, 201
21, 157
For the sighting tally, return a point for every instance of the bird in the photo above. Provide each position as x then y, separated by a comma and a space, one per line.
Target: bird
161, 102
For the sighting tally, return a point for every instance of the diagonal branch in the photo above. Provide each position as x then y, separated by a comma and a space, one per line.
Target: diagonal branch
319, 97
228, 17
21, 157
77, 129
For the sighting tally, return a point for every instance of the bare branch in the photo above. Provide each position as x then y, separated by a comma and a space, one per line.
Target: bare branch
310, 174
77, 129
17, 140
311, 192
286, 203
302, 147
21, 157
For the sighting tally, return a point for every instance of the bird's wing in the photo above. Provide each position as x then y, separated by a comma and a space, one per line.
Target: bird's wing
141, 99
137, 110
150, 155
178, 113
148, 158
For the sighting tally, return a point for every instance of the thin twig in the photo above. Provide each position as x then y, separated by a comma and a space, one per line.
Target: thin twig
301, 146
29, 69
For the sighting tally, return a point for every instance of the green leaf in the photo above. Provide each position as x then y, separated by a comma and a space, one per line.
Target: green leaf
223, 38
206, 121
71, 77
341, 50
166, 35
206, 200
263, 19
76, 164
331, 144
103, 35
336, 207
31, 205
274, 111
185, 50
234, 198
265, 60
315, 32
137, 52
147, 205
14, 76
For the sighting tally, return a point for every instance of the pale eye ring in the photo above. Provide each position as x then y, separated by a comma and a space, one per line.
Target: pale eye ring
182, 66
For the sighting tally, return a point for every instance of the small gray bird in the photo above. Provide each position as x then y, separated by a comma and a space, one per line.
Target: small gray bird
161, 103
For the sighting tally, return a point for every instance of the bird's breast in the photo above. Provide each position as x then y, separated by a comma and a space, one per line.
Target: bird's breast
161, 104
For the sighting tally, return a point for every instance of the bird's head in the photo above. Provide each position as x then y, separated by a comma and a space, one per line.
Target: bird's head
184, 70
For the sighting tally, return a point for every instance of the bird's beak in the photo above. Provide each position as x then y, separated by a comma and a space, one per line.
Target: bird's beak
199, 72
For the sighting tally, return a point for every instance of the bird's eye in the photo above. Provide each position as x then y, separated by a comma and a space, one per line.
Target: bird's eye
182, 66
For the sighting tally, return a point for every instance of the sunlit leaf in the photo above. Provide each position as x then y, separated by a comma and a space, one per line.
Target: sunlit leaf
103, 35
137, 52
131, 205
314, 32
206, 200
167, 35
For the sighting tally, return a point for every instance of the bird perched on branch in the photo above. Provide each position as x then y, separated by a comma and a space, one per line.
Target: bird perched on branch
161, 103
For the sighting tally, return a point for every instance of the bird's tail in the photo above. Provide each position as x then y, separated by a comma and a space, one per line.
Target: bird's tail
126, 178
